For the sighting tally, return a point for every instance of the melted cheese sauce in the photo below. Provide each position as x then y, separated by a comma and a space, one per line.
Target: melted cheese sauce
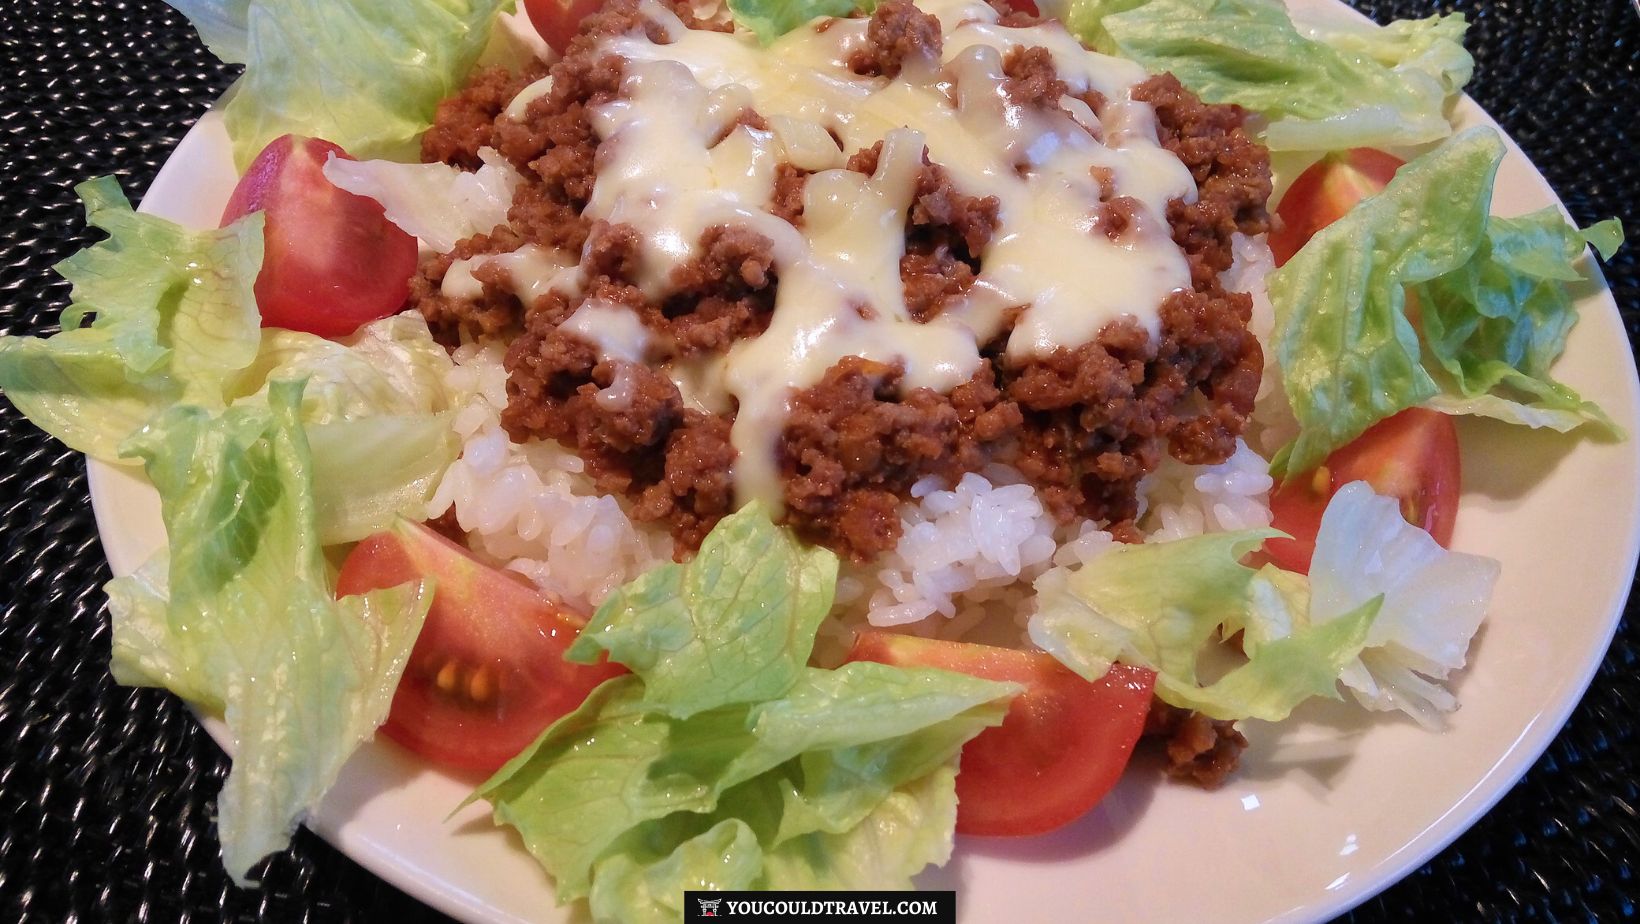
534, 271
675, 161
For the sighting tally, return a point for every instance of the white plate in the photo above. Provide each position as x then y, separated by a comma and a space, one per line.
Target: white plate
1328, 808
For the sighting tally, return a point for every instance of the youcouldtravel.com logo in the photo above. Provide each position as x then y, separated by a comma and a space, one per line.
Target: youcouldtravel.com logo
821, 906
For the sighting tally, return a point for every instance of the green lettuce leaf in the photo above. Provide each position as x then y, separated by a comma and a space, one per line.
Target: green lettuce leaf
770, 19
173, 318
734, 625
1161, 605
610, 766
389, 366
1493, 300
377, 415
864, 730
362, 74
1501, 320
1349, 355
369, 472
239, 616
1385, 611
644, 884
1563, 413
1283, 672
899, 837
616, 777
1320, 88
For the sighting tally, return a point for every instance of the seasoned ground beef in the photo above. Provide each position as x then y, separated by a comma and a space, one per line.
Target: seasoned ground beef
945, 234
496, 313
723, 295
853, 445
613, 413
697, 487
1033, 82
1083, 425
898, 33
1117, 217
1011, 17
1201, 750
467, 121
787, 201
1231, 170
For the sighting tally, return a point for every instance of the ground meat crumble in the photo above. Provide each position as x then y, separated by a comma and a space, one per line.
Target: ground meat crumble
1084, 425
898, 34
1196, 748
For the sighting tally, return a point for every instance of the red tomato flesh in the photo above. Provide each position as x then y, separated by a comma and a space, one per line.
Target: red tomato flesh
1323, 193
332, 261
1412, 457
1059, 750
487, 674
559, 20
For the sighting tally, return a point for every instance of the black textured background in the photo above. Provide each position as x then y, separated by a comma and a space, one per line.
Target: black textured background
107, 794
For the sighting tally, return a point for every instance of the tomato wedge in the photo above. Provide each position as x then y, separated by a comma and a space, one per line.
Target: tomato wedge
1412, 457
1061, 748
487, 674
559, 20
332, 261
1323, 193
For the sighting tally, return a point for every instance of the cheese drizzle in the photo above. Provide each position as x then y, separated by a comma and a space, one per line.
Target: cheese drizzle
675, 160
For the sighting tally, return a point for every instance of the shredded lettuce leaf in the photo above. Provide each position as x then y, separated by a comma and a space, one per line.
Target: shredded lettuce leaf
256, 472
1348, 353
617, 783
787, 777
734, 625
1161, 605
435, 203
1434, 601
1494, 305
173, 322
389, 366
647, 884
173, 318
1321, 88
899, 837
369, 472
1385, 610
1501, 320
362, 74
770, 19
239, 616
377, 414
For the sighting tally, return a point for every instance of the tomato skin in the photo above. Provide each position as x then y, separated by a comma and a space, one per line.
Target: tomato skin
559, 20
332, 261
487, 674
1412, 456
1059, 750
1324, 192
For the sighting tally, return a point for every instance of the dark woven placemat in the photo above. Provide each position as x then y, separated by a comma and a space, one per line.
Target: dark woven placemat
107, 794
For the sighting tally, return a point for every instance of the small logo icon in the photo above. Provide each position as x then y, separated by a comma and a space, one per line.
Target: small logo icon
709, 906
